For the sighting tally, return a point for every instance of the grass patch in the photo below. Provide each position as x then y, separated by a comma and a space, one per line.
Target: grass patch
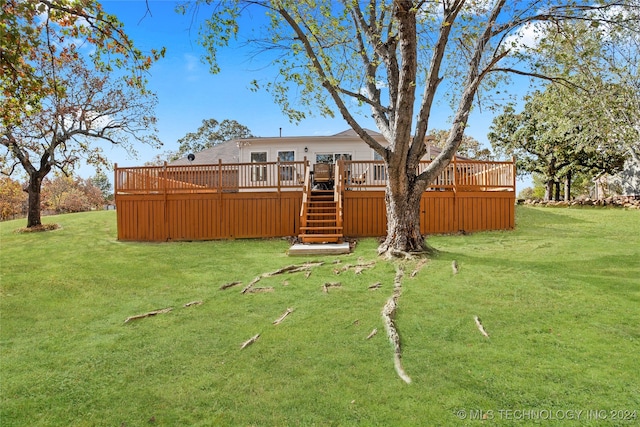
559, 297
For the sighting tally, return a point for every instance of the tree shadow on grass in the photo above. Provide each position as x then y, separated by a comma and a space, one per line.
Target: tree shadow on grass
545, 216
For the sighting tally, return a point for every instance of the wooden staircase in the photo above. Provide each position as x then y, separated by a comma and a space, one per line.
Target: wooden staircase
321, 215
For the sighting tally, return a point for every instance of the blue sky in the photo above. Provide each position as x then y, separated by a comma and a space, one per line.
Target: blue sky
188, 93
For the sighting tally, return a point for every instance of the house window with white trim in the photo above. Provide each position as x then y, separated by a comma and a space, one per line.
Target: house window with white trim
379, 171
259, 173
286, 171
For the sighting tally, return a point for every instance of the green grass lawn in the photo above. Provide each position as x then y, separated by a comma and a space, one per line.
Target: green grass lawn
559, 297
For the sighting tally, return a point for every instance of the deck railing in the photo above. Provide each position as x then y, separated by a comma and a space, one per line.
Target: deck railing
467, 175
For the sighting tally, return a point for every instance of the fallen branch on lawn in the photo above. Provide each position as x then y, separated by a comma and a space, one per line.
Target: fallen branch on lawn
281, 318
480, 327
376, 285
326, 286
357, 269
288, 269
454, 266
192, 303
229, 285
388, 315
250, 341
375, 331
419, 266
259, 290
149, 314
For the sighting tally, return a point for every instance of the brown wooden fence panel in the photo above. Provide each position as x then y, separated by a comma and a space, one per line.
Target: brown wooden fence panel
210, 216
437, 212
477, 211
364, 214
141, 217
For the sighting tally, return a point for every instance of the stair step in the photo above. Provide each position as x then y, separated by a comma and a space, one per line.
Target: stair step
320, 228
320, 238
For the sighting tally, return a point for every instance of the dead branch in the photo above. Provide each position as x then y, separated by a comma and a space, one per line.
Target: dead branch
250, 341
375, 286
307, 274
357, 269
259, 290
250, 285
149, 314
480, 327
375, 331
281, 318
326, 286
388, 315
419, 266
454, 266
192, 303
288, 269
229, 285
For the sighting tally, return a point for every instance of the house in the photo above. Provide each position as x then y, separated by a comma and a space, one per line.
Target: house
624, 183
345, 145
318, 188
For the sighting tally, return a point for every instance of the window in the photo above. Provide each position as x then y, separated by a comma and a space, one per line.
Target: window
324, 158
341, 156
259, 173
332, 157
379, 171
286, 171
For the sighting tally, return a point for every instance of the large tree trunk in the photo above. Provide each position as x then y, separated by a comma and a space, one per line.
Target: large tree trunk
548, 192
403, 225
34, 191
402, 199
567, 187
556, 196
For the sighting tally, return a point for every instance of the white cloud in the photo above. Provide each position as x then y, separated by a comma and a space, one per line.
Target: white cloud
526, 37
190, 62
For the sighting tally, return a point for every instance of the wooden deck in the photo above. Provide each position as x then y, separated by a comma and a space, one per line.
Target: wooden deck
267, 200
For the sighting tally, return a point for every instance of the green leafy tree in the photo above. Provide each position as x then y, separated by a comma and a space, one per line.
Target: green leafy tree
101, 181
558, 136
209, 134
394, 57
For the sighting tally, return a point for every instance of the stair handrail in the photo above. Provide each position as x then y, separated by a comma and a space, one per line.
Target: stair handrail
337, 191
306, 189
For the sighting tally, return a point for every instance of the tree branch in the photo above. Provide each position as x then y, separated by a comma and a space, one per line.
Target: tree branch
326, 83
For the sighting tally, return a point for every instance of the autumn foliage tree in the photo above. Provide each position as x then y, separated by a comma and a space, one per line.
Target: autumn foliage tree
57, 105
12, 198
65, 194
396, 58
